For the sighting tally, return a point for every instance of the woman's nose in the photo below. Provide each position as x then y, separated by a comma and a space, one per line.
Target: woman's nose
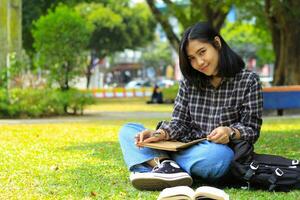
200, 61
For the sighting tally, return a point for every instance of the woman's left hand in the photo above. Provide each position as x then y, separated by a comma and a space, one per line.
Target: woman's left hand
148, 136
220, 135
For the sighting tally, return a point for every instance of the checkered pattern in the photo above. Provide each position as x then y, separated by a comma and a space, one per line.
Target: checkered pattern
237, 103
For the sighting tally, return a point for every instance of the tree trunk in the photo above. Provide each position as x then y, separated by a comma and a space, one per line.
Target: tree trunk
89, 73
215, 15
3, 34
66, 68
289, 60
65, 87
90, 67
285, 27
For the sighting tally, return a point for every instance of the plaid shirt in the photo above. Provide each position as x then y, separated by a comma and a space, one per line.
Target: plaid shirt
237, 103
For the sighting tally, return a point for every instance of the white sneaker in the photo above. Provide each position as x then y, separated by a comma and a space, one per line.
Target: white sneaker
165, 174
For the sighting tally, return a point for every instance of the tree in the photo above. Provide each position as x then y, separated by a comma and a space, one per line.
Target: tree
116, 28
60, 39
284, 23
32, 10
189, 13
282, 19
157, 55
103, 22
249, 40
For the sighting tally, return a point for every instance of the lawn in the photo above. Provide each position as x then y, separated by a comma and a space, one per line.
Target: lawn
129, 105
83, 160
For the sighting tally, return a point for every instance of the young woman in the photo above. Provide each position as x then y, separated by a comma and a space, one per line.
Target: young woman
217, 99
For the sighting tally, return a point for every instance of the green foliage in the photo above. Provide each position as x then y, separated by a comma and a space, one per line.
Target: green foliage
191, 12
32, 10
60, 39
42, 102
157, 54
15, 67
170, 93
116, 28
249, 40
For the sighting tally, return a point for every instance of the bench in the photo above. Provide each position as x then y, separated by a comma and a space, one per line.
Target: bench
281, 97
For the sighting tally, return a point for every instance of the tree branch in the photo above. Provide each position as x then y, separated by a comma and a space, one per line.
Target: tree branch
178, 12
172, 37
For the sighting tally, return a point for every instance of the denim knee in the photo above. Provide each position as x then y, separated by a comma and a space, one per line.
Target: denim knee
129, 130
134, 157
214, 166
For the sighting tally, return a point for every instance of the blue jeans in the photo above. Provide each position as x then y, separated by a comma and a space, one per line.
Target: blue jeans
207, 160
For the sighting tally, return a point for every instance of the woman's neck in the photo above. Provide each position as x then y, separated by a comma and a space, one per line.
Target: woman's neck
216, 81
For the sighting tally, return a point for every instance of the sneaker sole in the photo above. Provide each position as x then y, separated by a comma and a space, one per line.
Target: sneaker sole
160, 181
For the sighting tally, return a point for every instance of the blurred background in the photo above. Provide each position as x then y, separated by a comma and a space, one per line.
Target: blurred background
56, 56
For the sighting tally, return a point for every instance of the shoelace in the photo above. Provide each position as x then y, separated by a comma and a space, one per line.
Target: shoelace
158, 164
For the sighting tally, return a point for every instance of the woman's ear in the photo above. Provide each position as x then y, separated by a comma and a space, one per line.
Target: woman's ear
217, 42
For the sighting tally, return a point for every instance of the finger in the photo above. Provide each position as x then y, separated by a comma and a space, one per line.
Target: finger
142, 135
220, 140
223, 139
136, 138
151, 139
148, 140
215, 136
209, 137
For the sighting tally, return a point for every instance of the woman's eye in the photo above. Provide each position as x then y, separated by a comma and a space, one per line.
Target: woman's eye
202, 52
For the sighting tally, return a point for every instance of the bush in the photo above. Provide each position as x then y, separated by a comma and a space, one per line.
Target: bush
42, 102
170, 93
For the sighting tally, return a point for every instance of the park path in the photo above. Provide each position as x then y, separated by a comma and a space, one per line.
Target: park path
94, 116
91, 117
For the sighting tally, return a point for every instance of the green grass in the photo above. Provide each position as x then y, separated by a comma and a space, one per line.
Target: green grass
84, 160
129, 105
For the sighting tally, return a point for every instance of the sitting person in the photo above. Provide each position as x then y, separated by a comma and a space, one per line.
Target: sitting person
217, 99
157, 96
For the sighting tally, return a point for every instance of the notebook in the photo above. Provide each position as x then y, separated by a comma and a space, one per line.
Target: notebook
171, 145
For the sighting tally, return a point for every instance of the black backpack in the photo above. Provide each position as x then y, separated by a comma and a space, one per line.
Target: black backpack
262, 171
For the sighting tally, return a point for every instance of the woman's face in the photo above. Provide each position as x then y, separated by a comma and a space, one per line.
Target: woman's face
203, 57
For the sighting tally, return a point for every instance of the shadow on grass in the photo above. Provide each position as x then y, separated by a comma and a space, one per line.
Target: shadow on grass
101, 174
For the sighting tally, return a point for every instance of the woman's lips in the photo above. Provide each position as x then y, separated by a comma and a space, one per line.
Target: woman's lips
203, 68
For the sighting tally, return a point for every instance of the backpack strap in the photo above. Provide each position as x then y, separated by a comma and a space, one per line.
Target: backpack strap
273, 178
295, 162
250, 172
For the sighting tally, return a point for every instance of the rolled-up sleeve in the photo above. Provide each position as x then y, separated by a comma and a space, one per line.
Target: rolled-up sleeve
179, 127
250, 121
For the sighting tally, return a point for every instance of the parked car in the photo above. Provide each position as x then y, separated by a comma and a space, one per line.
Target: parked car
138, 84
165, 83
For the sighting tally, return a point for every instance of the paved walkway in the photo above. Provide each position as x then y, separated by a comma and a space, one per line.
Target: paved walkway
91, 116
98, 116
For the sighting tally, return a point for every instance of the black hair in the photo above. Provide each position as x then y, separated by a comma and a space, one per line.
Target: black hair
229, 62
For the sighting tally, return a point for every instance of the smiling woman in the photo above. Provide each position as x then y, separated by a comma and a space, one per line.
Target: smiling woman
217, 99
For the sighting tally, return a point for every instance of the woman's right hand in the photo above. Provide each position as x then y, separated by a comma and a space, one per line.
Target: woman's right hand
148, 136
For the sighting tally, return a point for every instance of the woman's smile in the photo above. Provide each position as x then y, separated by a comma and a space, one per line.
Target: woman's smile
203, 69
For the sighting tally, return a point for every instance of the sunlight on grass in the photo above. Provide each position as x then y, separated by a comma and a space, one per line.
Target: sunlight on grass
84, 160
70, 161
129, 105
